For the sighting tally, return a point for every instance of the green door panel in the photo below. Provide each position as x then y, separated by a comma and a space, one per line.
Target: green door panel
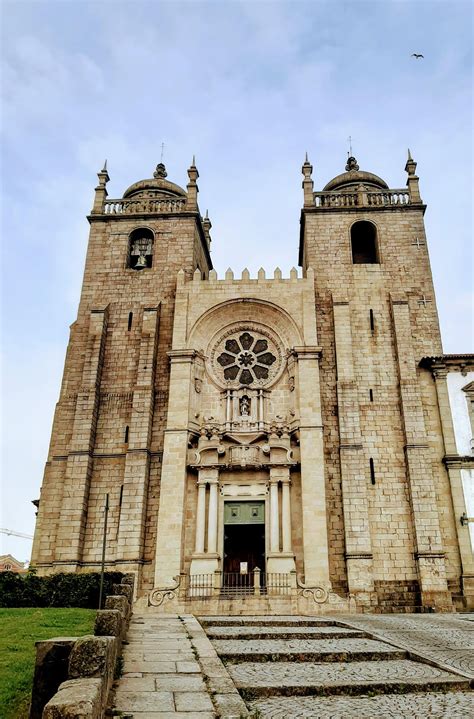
244, 512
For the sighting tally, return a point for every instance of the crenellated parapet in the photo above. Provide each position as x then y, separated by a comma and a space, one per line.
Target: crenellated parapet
261, 277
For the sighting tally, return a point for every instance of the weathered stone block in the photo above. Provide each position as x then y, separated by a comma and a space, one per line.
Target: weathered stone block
129, 579
118, 602
108, 623
51, 670
94, 657
124, 590
76, 699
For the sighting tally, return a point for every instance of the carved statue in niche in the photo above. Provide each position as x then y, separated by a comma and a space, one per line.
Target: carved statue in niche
244, 406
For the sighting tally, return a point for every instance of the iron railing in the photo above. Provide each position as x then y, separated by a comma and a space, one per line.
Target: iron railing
234, 584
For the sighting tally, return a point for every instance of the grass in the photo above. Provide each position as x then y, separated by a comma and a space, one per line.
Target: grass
19, 630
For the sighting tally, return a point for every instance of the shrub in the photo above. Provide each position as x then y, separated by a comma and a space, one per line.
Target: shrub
56, 590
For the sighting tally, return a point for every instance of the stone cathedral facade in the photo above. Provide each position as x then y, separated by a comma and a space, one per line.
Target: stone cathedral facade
266, 443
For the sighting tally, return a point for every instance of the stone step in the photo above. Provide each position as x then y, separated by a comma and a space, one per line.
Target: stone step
268, 621
281, 632
257, 679
306, 650
436, 705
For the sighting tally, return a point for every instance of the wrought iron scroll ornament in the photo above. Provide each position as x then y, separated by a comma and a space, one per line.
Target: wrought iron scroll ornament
318, 594
159, 596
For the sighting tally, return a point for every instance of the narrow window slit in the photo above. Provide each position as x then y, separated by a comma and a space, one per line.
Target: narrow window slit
372, 471
372, 322
130, 320
126, 434
371, 395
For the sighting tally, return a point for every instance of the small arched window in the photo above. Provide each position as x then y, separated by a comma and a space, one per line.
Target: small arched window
364, 243
140, 249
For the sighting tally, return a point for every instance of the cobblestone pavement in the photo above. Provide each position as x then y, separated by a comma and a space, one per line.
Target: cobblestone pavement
444, 638
304, 667
284, 675
346, 649
436, 705
281, 632
171, 670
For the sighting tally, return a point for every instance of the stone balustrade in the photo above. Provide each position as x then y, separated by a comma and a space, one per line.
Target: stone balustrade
143, 205
362, 198
388, 197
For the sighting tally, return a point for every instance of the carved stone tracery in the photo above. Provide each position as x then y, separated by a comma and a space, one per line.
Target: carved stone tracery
246, 355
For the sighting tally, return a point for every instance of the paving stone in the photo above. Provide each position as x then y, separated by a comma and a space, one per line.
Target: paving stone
288, 678
307, 649
193, 701
436, 705
134, 684
169, 656
180, 682
221, 685
149, 667
188, 667
143, 701
231, 705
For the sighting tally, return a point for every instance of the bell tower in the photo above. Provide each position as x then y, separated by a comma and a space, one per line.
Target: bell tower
108, 429
376, 319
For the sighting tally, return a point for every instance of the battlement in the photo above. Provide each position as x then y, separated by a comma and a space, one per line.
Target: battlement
261, 277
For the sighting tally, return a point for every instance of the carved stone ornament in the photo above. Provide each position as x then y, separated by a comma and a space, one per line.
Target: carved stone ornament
158, 596
318, 594
246, 356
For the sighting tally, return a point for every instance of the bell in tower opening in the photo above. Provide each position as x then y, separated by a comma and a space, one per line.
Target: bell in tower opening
140, 254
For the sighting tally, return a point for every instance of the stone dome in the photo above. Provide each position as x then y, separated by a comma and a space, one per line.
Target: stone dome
353, 177
156, 185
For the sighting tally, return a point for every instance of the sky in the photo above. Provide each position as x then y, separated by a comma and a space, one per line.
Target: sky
246, 87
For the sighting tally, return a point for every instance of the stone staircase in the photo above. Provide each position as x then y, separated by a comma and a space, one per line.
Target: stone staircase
316, 668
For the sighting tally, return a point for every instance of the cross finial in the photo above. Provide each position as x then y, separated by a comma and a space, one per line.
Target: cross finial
349, 139
162, 151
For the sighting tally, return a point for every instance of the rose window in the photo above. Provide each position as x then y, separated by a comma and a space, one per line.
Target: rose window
246, 358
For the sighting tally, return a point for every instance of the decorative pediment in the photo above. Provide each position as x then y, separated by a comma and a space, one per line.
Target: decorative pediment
469, 389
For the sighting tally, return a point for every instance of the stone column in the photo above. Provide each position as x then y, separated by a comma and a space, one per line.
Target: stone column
212, 518
131, 534
274, 516
429, 552
286, 515
72, 526
313, 490
201, 517
205, 560
171, 513
280, 561
354, 463
454, 466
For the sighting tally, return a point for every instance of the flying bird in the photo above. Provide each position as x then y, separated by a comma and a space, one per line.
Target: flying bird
418, 56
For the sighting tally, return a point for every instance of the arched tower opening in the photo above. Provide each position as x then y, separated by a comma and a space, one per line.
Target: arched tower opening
364, 243
140, 249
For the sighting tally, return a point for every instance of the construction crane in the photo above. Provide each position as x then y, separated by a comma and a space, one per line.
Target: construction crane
15, 534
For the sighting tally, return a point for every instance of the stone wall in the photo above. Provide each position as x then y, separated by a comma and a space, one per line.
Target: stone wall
73, 677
